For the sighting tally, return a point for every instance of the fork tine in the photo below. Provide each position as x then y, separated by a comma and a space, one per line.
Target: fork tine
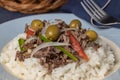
98, 12
86, 9
90, 10
97, 7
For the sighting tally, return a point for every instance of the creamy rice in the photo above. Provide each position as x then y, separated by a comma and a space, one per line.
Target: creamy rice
100, 62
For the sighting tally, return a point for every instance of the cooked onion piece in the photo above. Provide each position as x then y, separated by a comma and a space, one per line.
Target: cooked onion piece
43, 45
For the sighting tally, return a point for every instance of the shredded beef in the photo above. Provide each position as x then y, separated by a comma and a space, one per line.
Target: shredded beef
51, 57
21, 55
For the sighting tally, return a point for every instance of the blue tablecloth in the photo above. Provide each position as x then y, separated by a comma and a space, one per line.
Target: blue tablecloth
72, 6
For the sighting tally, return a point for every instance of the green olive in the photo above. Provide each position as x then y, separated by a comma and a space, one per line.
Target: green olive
75, 23
37, 24
52, 32
92, 35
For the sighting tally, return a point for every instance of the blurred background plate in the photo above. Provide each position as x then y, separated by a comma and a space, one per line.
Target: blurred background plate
10, 29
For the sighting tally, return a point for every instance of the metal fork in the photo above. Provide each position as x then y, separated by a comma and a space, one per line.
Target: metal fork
97, 14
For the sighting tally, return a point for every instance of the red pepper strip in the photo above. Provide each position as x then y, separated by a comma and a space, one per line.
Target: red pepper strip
76, 46
29, 32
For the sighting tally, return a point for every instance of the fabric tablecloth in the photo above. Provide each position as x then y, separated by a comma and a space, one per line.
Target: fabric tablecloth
72, 6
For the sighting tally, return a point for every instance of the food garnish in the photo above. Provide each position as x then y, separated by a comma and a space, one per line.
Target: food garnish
92, 35
76, 46
37, 24
30, 32
52, 32
75, 23
21, 42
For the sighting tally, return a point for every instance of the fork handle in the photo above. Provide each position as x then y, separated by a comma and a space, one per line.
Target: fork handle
99, 25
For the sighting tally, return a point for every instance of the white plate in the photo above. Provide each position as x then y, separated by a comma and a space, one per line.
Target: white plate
10, 29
